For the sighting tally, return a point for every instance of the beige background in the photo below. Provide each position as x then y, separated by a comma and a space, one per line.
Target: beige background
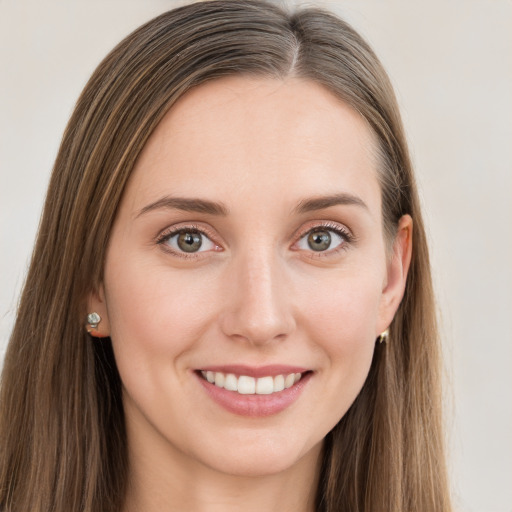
451, 63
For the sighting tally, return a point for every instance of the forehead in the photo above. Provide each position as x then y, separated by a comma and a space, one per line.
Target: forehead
255, 135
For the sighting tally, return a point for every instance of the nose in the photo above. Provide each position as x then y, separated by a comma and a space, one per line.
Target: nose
258, 307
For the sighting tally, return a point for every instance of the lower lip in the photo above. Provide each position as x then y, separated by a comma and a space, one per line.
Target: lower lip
255, 405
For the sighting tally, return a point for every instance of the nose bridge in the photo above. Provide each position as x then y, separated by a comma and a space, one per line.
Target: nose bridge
259, 309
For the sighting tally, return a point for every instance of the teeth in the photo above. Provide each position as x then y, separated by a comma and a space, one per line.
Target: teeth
249, 385
231, 382
219, 379
278, 383
289, 381
246, 385
265, 386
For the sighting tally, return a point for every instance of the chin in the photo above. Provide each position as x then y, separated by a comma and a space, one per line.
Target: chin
261, 459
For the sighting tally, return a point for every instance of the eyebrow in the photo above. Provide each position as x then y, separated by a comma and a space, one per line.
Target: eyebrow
213, 208
321, 202
187, 205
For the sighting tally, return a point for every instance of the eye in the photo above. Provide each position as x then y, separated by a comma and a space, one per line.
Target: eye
322, 239
187, 241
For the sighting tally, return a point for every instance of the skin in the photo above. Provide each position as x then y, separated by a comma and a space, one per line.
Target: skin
257, 294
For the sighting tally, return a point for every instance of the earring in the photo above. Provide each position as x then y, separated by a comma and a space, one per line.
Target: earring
93, 319
383, 337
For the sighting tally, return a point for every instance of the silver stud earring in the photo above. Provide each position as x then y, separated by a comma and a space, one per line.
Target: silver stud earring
383, 337
93, 319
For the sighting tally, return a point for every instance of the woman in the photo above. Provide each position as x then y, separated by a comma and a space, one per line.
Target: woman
227, 306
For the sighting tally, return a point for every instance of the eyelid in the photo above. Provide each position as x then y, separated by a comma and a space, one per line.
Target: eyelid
175, 229
329, 225
338, 228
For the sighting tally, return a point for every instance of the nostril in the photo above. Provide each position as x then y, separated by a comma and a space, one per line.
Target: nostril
248, 325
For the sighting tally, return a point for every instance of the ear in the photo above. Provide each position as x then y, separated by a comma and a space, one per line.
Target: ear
396, 275
96, 303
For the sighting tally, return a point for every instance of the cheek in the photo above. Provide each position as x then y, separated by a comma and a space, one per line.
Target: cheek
155, 313
345, 310
342, 324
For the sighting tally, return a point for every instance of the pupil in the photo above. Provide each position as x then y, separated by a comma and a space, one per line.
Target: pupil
189, 241
319, 240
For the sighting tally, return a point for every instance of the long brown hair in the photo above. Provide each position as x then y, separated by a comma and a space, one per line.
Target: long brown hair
63, 442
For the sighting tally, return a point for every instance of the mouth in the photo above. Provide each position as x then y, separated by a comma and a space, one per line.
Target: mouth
248, 385
255, 392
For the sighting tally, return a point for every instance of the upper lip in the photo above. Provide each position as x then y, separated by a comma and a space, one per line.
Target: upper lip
255, 371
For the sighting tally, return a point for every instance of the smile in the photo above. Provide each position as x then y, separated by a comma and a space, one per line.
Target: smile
247, 385
256, 392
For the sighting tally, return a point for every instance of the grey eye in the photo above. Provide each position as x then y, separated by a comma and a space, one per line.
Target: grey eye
189, 241
319, 240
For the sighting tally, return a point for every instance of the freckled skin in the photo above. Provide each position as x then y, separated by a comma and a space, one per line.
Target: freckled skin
255, 293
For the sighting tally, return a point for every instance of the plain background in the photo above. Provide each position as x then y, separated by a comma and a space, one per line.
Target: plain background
451, 64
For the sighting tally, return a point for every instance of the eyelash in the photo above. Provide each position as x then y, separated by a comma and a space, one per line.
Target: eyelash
167, 234
344, 233
341, 231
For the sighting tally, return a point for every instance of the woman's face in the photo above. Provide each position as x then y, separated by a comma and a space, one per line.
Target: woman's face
248, 247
